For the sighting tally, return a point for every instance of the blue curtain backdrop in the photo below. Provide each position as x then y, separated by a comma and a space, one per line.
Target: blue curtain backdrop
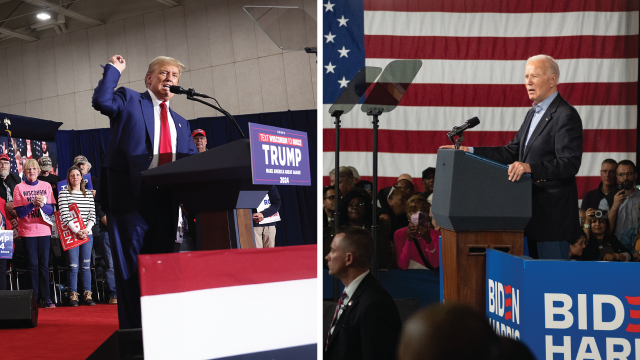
299, 205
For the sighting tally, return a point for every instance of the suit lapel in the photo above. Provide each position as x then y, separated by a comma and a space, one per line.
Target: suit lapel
542, 124
147, 113
350, 306
178, 122
527, 121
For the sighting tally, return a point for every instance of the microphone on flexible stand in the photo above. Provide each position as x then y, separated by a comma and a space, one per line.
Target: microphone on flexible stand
458, 130
176, 89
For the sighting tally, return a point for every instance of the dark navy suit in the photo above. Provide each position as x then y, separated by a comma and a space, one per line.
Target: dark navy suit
141, 219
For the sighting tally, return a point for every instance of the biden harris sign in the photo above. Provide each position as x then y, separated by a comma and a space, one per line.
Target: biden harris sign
565, 309
279, 156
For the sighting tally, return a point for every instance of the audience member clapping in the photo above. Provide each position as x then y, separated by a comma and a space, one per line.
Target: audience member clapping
602, 244
415, 246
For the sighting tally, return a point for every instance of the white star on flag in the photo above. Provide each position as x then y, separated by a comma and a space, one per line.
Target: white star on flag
343, 82
328, 6
330, 68
342, 21
343, 52
330, 37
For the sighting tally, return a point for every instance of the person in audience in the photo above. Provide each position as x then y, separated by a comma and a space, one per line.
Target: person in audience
366, 185
328, 206
404, 177
9, 182
332, 177
576, 247
428, 177
54, 159
607, 185
347, 180
455, 331
356, 174
406, 186
602, 244
629, 239
75, 193
414, 245
356, 210
265, 234
366, 323
397, 201
46, 175
200, 139
5, 224
623, 214
30, 199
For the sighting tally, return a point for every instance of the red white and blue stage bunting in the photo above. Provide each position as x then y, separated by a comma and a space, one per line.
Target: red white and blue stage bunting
230, 304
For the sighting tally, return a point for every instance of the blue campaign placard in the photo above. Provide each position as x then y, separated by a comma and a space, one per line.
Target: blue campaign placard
6, 244
88, 185
565, 309
279, 156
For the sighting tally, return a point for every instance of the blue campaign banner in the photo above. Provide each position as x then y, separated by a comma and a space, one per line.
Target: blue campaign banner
6, 244
88, 185
279, 156
565, 309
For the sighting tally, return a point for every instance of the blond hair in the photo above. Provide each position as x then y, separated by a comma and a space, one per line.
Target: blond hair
162, 60
29, 163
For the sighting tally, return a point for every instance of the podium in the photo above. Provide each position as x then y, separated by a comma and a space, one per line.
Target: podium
216, 185
478, 208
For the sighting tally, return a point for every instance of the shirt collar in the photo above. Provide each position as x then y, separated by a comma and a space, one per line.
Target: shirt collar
155, 100
31, 183
354, 284
544, 104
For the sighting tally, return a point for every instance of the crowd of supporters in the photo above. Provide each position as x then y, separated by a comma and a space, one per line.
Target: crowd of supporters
408, 235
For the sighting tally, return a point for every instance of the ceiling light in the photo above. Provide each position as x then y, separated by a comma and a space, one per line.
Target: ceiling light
44, 16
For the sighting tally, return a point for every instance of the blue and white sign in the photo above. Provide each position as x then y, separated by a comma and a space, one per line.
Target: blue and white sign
566, 309
279, 156
6, 244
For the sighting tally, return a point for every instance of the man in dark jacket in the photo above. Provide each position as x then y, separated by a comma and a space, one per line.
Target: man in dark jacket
366, 323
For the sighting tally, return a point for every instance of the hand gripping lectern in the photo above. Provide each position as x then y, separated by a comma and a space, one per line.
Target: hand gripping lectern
216, 185
478, 208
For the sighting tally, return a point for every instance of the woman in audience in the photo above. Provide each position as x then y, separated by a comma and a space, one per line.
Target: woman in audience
416, 245
356, 209
75, 193
397, 201
602, 244
577, 246
5, 224
30, 199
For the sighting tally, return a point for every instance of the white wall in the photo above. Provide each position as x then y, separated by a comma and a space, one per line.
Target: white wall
227, 56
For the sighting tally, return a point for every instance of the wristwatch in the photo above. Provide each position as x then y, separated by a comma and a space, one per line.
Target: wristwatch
586, 226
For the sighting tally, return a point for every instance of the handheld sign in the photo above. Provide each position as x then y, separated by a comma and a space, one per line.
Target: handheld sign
67, 237
279, 156
6, 244
14, 226
88, 185
263, 205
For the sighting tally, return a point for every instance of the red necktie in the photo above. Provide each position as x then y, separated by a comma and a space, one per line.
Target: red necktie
165, 137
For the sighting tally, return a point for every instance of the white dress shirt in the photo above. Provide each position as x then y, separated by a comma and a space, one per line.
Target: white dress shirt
156, 130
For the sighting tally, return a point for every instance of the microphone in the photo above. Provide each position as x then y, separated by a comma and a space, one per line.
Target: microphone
457, 130
176, 89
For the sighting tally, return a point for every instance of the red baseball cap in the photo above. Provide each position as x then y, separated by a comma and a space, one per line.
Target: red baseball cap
198, 132
4, 157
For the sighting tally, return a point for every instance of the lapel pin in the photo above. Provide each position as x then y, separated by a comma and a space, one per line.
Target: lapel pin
181, 124
547, 119
350, 303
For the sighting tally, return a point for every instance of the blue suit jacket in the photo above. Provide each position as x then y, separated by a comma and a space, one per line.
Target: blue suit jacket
130, 149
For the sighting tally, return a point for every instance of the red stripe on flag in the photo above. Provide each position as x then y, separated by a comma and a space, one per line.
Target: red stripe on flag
584, 183
199, 270
515, 95
499, 6
499, 48
428, 142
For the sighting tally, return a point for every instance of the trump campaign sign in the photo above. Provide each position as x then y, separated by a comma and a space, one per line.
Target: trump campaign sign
568, 310
279, 156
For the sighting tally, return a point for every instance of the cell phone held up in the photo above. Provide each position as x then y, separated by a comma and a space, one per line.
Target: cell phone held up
419, 218
620, 187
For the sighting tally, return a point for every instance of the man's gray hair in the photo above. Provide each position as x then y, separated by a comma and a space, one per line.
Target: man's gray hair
552, 65
346, 174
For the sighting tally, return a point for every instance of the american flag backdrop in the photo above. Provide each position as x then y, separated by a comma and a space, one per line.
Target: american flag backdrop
473, 56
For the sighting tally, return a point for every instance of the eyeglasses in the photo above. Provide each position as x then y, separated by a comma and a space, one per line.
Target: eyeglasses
355, 206
629, 174
332, 197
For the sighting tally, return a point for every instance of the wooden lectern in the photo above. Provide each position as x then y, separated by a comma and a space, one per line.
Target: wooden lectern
216, 185
478, 208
